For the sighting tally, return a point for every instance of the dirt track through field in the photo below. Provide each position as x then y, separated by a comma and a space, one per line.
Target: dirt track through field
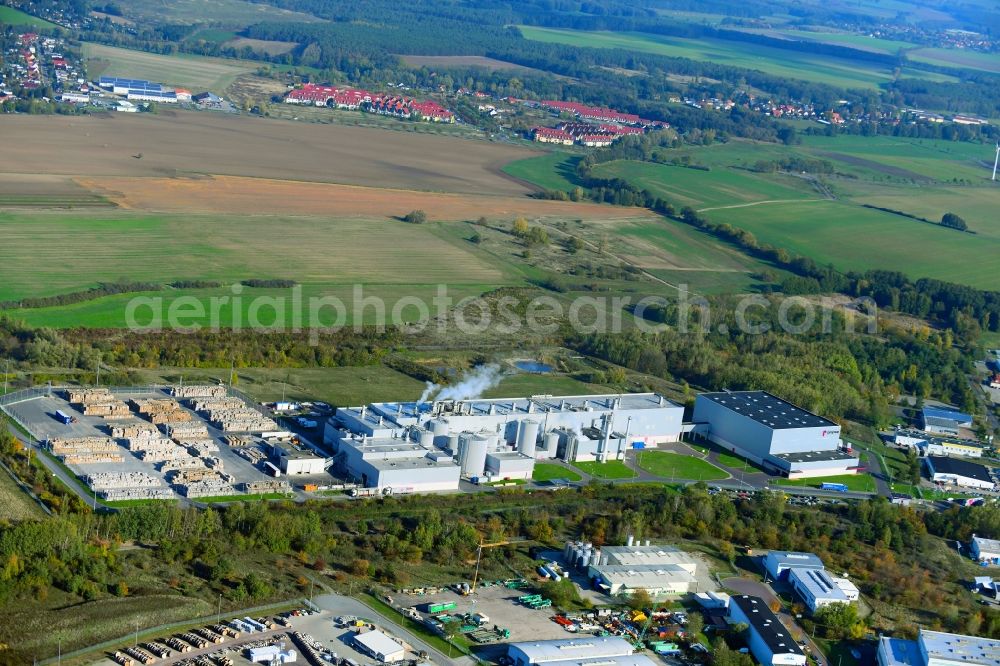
229, 194
179, 143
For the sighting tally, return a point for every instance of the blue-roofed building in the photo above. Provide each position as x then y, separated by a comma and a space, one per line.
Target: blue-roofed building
779, 562
944, 420
138, 89
937, 648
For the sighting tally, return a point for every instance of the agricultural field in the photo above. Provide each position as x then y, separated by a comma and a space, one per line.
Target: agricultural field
553, 171
855, 238
15, 505
233, 14
779, 62
676, 466
708, 190
267, 47
11, 16
987, 62
925, 178
464, 61
189, 143
70, 252
197, 73
228, 195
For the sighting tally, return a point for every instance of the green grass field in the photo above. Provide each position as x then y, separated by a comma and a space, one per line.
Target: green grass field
554, 171
854, 238
862, 483
676, 466
987, 62
705, 190
612, 469
11, 16
548, 472
779, 62
72, 252
197, 73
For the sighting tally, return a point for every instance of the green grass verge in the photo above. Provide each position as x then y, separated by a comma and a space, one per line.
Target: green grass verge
862, 483
555, 171
549, 471
612, 469
15, 17
243, 498
676, 466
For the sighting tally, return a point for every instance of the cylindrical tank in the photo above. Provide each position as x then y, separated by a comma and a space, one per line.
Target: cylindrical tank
472, 453
629, 541
423, 437
550, 442
439, 427
451, 443
527, 438
595, 559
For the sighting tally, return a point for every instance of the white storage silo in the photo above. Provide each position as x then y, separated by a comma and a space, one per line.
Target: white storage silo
527, 438
472, 448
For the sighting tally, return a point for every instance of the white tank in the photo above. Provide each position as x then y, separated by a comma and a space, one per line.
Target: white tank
439, 427
472, 450
550, 442
527, 438
423, 437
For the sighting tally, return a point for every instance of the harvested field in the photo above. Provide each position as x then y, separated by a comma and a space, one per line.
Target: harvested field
228, 194
262, 45
195, 72
193, 143
463, 61
29, 190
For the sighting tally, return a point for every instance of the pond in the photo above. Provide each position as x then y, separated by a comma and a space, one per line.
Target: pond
533, 366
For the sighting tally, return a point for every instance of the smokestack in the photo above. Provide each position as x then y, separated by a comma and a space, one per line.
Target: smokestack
629, 541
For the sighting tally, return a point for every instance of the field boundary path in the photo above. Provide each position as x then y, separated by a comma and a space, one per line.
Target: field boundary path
759, 203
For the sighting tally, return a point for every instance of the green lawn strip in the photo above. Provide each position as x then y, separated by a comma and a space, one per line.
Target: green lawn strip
612, 469
678, 466
855, 482
548, 472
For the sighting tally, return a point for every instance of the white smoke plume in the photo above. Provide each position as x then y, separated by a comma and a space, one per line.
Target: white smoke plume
430, 389
473, 385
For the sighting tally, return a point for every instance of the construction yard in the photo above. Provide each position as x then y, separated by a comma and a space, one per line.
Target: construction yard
192, 442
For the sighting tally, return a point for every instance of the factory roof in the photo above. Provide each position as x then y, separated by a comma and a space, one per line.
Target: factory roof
646, 576
899, 652
959, 649
945, 465
378, 643
816, 456
766, 625
646, 555
577, 650
819, 584
416, 462
944, 415
790, 560
508, 455
986, 545
290, 451
768, 410
538, 404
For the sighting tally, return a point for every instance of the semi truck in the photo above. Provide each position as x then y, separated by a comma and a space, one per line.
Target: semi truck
64, 418
839, 487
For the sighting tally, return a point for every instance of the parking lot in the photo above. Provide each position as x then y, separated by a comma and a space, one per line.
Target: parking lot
40, 417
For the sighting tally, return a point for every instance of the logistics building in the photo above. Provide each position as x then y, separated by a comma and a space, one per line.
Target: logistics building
625, 570
985, 550
770, 642
773, 433
780, 562
931, 444
943, 420
496, 439
379, 646
959, 473
595, 651
817, 588
937, 648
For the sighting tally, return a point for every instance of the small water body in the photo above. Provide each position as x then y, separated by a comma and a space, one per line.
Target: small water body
533, 366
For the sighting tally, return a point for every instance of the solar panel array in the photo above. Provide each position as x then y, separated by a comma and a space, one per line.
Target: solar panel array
131, 84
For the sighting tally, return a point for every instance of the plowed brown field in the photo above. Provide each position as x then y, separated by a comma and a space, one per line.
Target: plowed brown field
179, 143
229, 194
